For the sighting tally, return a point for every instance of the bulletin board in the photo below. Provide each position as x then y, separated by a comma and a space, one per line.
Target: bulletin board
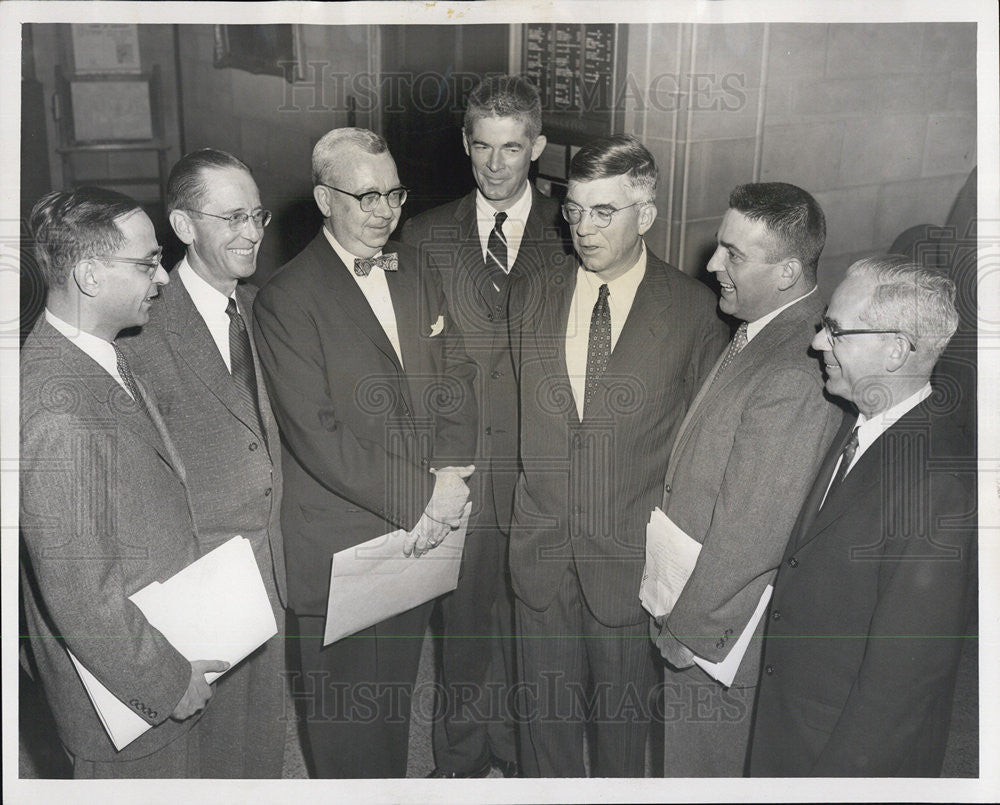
111, 111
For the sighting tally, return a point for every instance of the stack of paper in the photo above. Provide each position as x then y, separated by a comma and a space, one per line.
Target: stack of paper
670, 559
375, 580
214, 609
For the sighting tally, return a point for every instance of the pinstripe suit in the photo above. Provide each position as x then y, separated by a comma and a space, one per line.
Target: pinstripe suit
583, 499
235, 480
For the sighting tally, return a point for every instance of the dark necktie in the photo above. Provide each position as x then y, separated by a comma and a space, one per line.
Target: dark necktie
387, 262
496, 252
125, 372
241, 360
599, 347
735, 348
846, 457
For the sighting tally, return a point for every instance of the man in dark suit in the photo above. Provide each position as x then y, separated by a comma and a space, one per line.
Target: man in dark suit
609, 354
104, 510
481, 244
197, 355
876, 584
760, 423
377, 417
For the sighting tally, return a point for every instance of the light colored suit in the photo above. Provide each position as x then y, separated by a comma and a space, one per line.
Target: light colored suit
103, 512
235, 482
742, 463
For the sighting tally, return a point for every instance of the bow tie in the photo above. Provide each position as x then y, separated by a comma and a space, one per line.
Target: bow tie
387, 262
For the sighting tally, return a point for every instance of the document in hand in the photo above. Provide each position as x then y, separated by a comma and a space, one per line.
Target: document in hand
375, 580
214, 609
670, 559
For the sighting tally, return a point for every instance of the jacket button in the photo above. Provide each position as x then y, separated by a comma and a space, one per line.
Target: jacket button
769, 670
667, 489
793, 562
776, 615
496, 375
489, 430
267, 492
253, 446
424, 462
489, 316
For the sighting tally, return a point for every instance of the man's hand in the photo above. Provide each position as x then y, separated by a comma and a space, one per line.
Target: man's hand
450, 495
198, 691
673, 651
427, 534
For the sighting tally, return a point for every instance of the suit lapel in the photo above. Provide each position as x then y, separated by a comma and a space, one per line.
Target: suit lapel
470, 259
193, 343
404, 290
550, 337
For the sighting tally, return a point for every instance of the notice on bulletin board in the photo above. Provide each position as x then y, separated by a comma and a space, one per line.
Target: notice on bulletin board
105, 48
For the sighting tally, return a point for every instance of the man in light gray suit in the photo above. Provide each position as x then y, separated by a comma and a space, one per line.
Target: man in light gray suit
197, 353
104, 506
741, 466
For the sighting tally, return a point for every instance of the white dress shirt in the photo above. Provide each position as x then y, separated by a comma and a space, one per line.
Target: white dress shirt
754, 327
97, 348
513, 227
621, 294
376, 291
211, 305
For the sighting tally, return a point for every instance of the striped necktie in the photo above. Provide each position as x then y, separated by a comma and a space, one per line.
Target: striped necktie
241, 360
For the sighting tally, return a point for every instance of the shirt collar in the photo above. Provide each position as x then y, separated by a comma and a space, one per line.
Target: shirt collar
624, 285
208, 300
347, 258
757, 325
870, 429
518, 211
103, 352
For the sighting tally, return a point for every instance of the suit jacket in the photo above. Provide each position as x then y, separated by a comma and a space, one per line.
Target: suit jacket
359, 434
741, 466
234, 474
104, 512
869, 607
587, 488
449, 236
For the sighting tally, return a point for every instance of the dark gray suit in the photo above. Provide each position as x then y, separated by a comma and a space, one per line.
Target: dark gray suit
481, 605
234, 474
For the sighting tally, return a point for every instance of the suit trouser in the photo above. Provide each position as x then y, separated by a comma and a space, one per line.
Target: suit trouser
245, 725
707, 726
575, 673
354, 695
477, 655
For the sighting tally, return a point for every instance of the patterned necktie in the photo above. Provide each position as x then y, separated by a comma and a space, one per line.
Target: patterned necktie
735, 348
496, 252
125, 372
387, 262
846, 457
241, 360
599, 347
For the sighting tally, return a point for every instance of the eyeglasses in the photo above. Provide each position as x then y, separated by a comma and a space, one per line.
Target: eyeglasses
238, 220
601, 216
395, 198
835, 332
148, 263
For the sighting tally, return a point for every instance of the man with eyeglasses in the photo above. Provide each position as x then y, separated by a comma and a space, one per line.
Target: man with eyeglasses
481, 244
609, 352
879, 577
375, 403
104, 503
199, 357
740, 468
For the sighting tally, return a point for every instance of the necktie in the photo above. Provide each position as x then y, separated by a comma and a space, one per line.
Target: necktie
387, 262
846, 457
241, 360
125, 372
496, 252
735, 348
599, 347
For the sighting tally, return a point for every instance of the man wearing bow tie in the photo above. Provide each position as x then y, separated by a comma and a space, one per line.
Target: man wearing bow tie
375, 404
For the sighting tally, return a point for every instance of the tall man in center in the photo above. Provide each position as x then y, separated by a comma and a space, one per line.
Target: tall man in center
482, 243
377, 415
609, 353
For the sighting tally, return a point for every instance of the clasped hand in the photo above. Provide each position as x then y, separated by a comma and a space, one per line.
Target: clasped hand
443, 512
